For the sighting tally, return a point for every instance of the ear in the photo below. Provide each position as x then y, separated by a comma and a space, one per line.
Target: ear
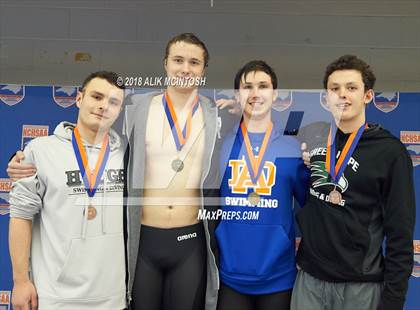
369, 96
237, 95
275, 95
79, 98
165, 64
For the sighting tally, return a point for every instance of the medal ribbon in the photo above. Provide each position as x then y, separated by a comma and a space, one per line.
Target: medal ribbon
336, 170
90, 179
180, 137
255, 162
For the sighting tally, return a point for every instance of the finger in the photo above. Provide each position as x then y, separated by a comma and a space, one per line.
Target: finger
222, 103
219, 102
20, 173
20, 166
15, 178
303, 146
34, 301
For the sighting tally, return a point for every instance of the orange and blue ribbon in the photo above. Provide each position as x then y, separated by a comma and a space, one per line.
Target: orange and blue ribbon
180, 137
90, 179
336, 170
255, 163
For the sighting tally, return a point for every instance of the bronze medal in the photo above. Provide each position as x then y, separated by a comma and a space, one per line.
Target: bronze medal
254, 198
91, 212
177, 165
335, 197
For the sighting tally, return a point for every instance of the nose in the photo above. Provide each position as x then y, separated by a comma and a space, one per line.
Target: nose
104, 104
255, 92
185, 68
342, 93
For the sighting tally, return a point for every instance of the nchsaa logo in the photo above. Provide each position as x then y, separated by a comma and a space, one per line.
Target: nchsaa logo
284, 100
416, 266
411, 140
12, 94
5, 299
386, 101
5, 188
65, 96
30, 132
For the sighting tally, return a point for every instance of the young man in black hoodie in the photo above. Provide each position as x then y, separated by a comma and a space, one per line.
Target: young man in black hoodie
361, 198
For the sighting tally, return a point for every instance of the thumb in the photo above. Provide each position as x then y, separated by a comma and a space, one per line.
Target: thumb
303, 147
20, 156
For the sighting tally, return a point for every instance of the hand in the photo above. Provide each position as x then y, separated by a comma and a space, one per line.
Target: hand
305, 155
17, 170
24, 296
234, 107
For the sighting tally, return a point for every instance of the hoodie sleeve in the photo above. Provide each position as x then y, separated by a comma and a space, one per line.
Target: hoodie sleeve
301, 183
399, 220
26, 194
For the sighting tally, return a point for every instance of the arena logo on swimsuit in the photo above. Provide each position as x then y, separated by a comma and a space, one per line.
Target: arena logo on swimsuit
241, 181
186, 237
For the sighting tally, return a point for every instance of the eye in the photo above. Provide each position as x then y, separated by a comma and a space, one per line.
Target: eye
178, 60
352, 88
334, 89
263, 86
195, 62
247, 87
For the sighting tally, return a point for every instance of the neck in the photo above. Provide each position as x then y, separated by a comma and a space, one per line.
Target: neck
351, 125
181, 97
90, 135
257, 125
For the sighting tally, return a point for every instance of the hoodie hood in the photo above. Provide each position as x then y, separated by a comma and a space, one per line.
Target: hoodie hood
64, 131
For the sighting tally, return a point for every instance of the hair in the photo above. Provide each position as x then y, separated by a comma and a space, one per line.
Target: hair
111, 77
190, 38
254, 66
351, 62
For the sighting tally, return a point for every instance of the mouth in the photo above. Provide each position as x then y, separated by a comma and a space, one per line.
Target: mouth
342, 106
100, 116
256, 103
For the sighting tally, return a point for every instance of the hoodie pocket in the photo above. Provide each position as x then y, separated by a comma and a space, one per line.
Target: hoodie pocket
330, 236
253, 250
94, 267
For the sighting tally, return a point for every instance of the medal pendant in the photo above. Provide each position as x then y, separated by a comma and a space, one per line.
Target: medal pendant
335, 197
254, 198
91, 212
177, 165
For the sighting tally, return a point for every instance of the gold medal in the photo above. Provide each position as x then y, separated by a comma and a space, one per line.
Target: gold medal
335, 197
177, 165
254, 198
91, 212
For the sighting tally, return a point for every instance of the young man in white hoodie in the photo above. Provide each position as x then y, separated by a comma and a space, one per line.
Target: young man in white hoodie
67, 218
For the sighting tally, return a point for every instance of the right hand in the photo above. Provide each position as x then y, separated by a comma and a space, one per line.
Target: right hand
231, 104
305, 155
24, 296
17, 170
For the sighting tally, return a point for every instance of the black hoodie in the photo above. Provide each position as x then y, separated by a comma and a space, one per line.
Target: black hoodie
343, 243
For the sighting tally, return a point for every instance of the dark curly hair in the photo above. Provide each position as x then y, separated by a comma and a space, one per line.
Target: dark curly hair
351, 62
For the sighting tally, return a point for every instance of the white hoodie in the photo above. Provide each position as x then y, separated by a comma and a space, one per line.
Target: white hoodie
76, 263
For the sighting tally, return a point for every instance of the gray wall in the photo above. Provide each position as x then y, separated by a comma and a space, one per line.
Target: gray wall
39, 39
